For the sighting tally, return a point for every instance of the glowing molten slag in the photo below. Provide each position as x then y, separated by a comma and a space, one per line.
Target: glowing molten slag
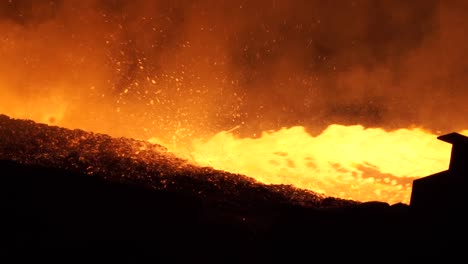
343, 161
351, 162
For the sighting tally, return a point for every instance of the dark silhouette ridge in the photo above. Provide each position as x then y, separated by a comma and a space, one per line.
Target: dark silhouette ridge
86, 194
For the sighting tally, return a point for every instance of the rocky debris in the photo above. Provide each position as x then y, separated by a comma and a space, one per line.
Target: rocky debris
127, 160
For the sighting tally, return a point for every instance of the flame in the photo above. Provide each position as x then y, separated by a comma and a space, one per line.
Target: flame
350, 162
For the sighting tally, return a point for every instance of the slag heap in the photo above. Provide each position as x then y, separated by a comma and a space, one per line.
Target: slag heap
132, 161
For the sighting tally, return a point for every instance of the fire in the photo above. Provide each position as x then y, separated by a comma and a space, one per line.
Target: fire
350, 162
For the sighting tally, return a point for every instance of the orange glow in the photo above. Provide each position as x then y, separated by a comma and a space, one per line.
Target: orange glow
343, 161
351, 162
48, 110
180, 73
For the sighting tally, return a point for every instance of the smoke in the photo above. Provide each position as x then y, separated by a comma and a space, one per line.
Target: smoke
182, 68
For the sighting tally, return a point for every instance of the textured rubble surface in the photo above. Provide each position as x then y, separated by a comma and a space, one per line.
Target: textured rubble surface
139, 162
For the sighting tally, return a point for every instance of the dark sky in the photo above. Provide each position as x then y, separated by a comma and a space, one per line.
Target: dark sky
204, 66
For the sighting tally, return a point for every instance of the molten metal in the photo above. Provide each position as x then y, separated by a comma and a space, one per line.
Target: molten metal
349, 162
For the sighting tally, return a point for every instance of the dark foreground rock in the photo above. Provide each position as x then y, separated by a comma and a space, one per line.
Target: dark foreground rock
92, 196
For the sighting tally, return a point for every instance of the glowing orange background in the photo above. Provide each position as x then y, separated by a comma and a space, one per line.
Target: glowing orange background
342, 97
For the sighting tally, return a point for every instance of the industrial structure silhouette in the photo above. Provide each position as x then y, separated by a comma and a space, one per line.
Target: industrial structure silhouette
445, 190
